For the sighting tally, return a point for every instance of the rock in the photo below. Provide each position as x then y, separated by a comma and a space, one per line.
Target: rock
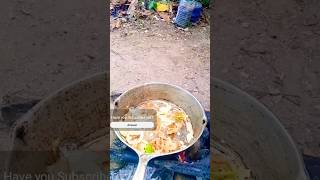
165, 16
277, 99
317, 107
25, 12
116, 24
273, 90
225, 70
245, 24
244, 74
308, 86
307, 33
311, 21
90, 56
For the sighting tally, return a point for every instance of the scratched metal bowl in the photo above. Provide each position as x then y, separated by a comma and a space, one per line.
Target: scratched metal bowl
255, 134
74, 115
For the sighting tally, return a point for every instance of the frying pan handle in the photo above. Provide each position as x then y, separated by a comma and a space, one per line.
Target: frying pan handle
141, 168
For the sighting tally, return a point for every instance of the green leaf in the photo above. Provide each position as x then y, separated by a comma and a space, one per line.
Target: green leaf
148, 149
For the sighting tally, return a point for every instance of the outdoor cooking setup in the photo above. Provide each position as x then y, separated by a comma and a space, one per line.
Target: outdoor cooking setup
74, 118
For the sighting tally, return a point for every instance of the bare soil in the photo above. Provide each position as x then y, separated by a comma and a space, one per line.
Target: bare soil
156, 51
45, 46
271, 49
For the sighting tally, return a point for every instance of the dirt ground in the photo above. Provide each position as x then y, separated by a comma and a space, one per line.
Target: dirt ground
271, 49
156, 51
33, 62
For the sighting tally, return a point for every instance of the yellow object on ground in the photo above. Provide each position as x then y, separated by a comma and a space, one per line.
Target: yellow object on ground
161, 7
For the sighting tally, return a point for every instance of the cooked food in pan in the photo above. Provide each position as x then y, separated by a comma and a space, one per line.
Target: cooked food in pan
173, 129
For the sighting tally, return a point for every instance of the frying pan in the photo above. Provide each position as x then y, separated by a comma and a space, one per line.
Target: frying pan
161, 91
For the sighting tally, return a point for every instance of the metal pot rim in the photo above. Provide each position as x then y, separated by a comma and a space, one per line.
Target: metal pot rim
177, 87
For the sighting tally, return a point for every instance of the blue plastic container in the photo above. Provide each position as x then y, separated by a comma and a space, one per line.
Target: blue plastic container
184, 13
196, 13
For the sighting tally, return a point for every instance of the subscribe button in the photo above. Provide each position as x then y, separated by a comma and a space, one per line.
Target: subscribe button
133, 119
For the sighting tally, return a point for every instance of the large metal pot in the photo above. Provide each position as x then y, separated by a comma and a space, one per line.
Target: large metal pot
76, 114
161, 91
252, 131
